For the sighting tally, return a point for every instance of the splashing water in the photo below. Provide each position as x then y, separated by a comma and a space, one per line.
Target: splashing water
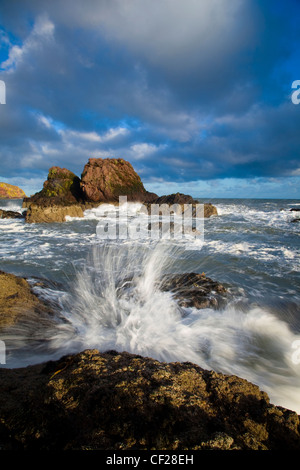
116, 302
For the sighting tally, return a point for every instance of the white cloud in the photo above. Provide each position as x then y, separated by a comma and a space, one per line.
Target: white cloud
43, 30
143, 150
93, 136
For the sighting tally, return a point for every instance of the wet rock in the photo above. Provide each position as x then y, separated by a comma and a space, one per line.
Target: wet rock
195, 290
17, 301
53, 213
11, 215
121, 401
178, 200
295, 209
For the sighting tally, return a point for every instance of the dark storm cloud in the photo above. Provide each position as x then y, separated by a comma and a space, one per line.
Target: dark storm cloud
184, 90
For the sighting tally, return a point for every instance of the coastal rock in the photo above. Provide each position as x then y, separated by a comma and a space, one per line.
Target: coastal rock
62, 187
209, 210
122, 401
54, 213
18, 301
195, 290
60, 197
176, 198
180, 199
104, 180
295, 209
9, 191
10, 215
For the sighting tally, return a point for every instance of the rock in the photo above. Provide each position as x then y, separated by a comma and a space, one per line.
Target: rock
9, 191
62, 187
181, 199
61, 196
10, 215
209, 210
177, 198
54, 213
195, 290
18, 301
121, 401
295, 220
294, 209
104, 180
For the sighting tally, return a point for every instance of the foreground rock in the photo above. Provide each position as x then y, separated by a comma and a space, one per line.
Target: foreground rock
9, 191
17, 301
122, 401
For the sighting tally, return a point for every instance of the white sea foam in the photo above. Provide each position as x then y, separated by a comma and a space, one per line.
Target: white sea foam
103, 310
107, 311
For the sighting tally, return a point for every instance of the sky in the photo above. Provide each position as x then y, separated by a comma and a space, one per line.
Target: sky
195, 94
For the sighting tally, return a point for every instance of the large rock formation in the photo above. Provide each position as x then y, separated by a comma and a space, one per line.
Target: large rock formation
9, 191
104, 180
121, 401
62, 187
61, 196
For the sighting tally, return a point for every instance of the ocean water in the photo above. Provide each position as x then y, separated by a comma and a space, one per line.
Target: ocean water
252, 247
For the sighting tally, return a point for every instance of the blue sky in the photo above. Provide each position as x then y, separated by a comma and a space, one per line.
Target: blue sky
195, 94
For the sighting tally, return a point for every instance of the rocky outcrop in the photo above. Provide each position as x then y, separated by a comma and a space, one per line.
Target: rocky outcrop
9, 191
195, 290
180, 200
18, 301
62, 187
121, 401
104, 180
37, 213
61, 196
11, 214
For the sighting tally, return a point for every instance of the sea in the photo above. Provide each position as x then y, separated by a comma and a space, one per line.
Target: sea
105, 290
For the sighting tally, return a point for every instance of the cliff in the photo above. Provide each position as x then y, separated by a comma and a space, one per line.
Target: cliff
9, 191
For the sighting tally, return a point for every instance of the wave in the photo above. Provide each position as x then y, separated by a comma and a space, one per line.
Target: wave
116, 302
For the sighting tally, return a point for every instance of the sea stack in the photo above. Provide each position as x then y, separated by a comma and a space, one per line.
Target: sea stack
104, 180
61, 196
